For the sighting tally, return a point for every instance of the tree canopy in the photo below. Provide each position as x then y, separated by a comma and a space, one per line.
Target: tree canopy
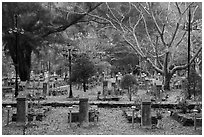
83, 70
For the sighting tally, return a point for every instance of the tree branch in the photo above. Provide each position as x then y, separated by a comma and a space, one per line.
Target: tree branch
74, 18
154, 66
179, 10
133, 47
185, 66
157, 56
177, 26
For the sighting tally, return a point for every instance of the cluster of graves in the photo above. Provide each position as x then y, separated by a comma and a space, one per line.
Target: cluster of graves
27, 110
37, 88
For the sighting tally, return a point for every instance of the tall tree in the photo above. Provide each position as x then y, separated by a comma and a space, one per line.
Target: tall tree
153, 30
83, 70
40, 21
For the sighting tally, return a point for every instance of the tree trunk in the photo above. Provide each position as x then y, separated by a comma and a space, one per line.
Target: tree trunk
84, 86
167, 79
129, 94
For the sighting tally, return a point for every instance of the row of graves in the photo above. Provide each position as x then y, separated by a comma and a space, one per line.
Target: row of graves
111, 90
148, 110
28, 108
26, 114
151, 117
37, 88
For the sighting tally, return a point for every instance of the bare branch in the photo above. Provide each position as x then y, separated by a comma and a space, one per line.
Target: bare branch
112, 12
156, 48
159, 56
180, 39
154, 66
185, 66
134, 34
145, 8
133, 47
179, 10
104, 19
75, 19
193, 15
175, 48
187, 9
156, 24
167, 19
161, 33
146, 29
99, 22
175, 32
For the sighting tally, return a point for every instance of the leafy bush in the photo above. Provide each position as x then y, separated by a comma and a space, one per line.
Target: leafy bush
83, 70
129, 82
195, 84
183, 105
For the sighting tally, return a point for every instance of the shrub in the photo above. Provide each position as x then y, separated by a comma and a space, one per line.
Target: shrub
129, 82
83, 70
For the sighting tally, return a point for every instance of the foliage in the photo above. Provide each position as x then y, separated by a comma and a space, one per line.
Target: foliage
128, 82
42, 24
183, 105
122, 58
195, 83
155, 31
29, 18
7, 67
83, 69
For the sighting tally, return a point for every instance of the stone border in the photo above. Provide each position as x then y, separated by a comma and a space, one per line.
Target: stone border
111, 104
186, 121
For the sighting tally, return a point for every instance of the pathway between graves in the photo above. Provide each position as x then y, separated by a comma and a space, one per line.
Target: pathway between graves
111, 122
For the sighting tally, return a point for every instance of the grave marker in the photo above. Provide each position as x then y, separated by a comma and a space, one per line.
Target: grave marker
83, 111
22, 107
146, 112
158, 89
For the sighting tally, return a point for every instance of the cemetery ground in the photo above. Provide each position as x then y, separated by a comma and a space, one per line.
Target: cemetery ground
111, 120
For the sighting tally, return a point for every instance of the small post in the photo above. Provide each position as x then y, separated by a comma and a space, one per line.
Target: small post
8, 110
70, 115
195, 112
133, 110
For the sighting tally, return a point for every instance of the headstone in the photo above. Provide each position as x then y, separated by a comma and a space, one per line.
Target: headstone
83, 111
146, 112
158, 85
22, 107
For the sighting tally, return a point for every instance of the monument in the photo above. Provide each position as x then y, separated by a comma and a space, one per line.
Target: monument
146, 112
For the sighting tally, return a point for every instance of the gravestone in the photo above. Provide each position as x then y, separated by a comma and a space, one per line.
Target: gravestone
158, 85
22, 107
83, 111
146, 112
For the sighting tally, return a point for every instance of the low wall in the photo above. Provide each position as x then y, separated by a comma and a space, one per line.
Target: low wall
110, 104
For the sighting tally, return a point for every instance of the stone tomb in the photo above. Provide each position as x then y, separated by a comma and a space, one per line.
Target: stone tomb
79, 116
146, 112
83, 111
22, 107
